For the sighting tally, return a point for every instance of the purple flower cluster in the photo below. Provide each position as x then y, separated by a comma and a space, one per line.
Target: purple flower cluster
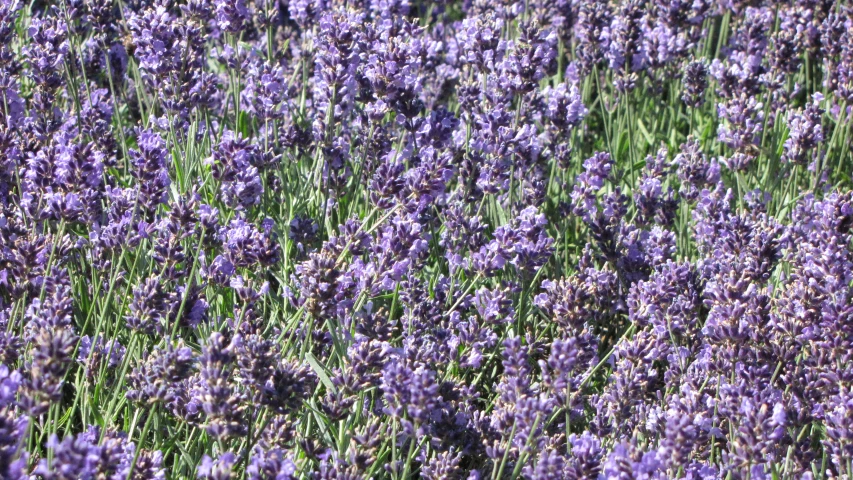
322, 239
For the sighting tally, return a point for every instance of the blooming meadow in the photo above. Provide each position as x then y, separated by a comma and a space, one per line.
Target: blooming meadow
389, 239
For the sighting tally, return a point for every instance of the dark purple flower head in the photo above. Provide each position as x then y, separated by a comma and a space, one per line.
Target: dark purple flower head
743, 121
669, 301
757, 200
695, 81
10, 380
51, 356
220, 270
398, 248
738, 75
622, 38
316, 279
527, 60
303, 230
663, 44
352, 239
839, 420
593, 18
751, 36
289, 385
558, 373
218, 393
335, 65
566, 301
439, 128
8, 13
13, 427
306, 13
550, 464
463, 233
148, 307
265, 91
157, 378
787, 44
654, 203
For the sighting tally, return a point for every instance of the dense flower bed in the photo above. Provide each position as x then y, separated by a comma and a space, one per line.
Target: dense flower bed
275, 239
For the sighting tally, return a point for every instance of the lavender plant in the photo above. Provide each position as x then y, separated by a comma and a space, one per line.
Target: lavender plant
388, 239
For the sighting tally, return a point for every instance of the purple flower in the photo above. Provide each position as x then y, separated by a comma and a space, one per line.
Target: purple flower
478, 40
627, 462
550, 464
494, 307
336, 61
218, 394
621, 40
148, 307
51, 352
273, 464
565, 107
147, 465
587, 454
72, 458
525, 244
662, 44
410, 391
839, 418
805, 132
13, 427
232, 16
287, 387
157, 378
593, 19
235, 163
219, 469
221, 270
443, 465
527, 60
151, 169
98, 352
695, 81
597, 169
741, 126
245, 245
46, 51
558, 373
694, 169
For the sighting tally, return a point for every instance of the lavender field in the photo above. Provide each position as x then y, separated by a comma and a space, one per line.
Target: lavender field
400, 239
